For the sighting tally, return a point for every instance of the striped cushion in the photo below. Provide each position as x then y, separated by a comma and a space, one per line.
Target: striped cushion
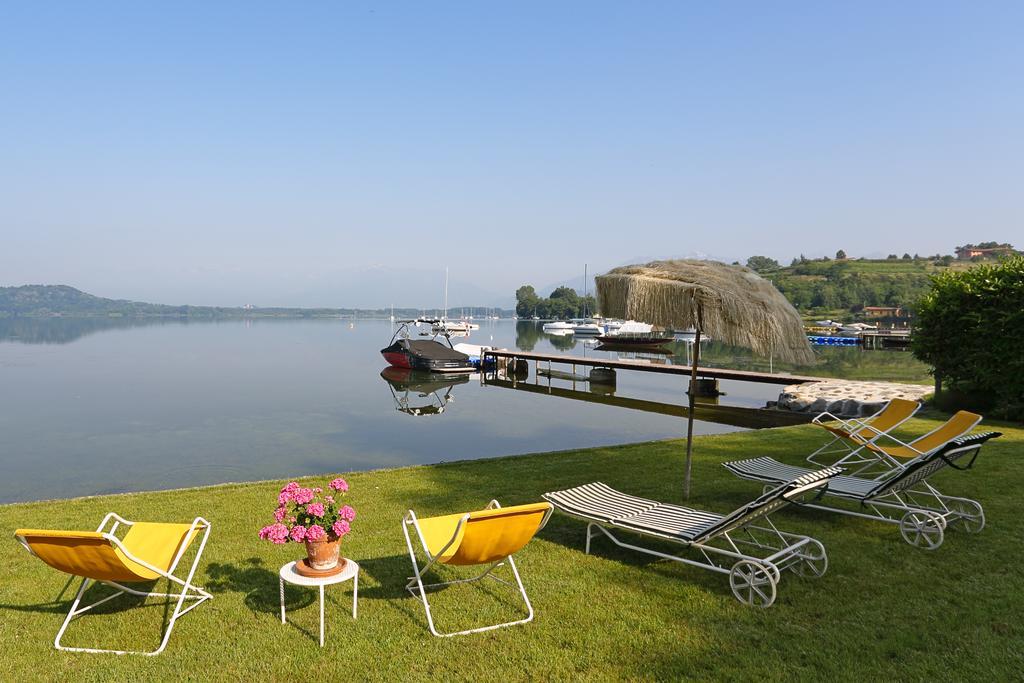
599, 501
672, 521
774, 472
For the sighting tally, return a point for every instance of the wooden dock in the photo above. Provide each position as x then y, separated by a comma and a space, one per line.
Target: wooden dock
749, 418
646, 366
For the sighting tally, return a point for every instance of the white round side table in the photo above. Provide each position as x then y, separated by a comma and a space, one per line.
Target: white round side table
351, 571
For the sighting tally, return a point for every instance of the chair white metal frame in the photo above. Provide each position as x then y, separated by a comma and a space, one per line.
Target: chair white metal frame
904, 497
446, 552
752, 555
850, 436
188, 590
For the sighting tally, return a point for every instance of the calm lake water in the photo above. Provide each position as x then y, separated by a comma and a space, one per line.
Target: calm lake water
97, 406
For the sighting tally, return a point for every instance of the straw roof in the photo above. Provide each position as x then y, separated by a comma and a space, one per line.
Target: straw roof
730, 303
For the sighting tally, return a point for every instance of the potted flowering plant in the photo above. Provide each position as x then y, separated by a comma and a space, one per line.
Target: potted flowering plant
314, 517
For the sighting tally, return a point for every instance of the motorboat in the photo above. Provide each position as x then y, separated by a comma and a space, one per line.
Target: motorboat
424, 354
557, 326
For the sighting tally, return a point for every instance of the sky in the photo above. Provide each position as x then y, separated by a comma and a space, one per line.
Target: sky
343, 154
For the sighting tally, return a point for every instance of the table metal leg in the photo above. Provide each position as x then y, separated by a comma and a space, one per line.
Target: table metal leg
321, 616
355, 594
281, 581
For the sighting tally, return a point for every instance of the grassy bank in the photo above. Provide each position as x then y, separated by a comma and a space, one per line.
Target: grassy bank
884, 610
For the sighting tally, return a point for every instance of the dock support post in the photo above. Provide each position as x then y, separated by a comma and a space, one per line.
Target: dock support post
689, 412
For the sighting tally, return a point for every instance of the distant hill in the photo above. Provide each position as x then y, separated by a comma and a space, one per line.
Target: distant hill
65, 301
824, 286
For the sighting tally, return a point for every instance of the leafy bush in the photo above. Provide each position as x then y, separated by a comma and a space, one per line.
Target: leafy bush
970, 329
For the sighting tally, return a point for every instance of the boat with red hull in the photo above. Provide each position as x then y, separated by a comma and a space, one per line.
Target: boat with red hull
424, 354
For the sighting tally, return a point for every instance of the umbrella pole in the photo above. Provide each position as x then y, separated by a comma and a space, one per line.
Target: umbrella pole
689, 413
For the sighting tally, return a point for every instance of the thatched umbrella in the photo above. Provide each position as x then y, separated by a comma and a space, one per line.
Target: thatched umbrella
730, 303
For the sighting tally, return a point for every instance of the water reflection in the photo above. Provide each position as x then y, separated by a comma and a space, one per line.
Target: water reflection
417, 392
67, 330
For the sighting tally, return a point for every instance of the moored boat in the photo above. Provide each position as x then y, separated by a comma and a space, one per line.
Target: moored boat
424, 354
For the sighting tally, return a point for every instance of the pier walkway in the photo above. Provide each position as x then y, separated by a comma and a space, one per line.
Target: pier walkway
643, 366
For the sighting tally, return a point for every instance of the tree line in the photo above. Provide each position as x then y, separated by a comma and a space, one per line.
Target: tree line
564, 302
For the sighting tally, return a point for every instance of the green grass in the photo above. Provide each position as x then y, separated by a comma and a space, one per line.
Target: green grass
884, 610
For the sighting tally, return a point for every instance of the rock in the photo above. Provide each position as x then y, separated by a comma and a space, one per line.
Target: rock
845, 398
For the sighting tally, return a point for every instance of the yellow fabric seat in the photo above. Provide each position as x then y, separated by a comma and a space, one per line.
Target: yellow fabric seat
147, 552
490, 536
486, 536
897, 411
956, 426
92, 555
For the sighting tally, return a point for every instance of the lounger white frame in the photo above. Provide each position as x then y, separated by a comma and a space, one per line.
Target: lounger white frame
728, 545
188, 591
904, 498
849, 452
416, 582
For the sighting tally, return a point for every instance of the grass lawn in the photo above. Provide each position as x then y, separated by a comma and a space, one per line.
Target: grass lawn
884, 610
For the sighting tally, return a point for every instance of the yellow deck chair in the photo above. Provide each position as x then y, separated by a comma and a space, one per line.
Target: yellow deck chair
485, 537
961, 423
850, 436
148, 552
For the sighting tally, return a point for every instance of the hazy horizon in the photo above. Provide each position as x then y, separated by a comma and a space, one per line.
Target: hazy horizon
239, 153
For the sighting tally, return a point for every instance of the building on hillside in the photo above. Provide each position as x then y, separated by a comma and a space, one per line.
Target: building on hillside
885, 312
966, 253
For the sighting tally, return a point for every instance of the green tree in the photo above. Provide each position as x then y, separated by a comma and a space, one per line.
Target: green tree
526, 301
970, 329
762, 264
840, 255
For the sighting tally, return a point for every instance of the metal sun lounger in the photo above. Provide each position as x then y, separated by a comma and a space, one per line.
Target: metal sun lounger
725, 543
904, 497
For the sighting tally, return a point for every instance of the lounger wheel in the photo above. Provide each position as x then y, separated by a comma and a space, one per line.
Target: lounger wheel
753, 583
969, 515
813, 560
923, 529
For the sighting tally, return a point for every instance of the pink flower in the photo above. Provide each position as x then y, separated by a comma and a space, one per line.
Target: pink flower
303, 496
340, 528
276, 533
318, 490
329, 499
279, 514
347, 513
315, 509
283, 498
298, 533
339, 484
290, 487
315, 533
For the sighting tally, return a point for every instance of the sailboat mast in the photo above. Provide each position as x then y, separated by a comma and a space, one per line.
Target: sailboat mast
585, 294
445, 316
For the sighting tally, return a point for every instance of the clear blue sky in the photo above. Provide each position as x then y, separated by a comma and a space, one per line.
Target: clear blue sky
275, 153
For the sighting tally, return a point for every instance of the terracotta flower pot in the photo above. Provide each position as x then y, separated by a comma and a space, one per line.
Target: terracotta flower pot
323, 554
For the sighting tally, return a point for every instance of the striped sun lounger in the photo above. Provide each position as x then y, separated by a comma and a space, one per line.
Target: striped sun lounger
743, 544
902, 497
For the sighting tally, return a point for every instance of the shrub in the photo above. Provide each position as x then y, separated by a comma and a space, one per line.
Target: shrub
970, 329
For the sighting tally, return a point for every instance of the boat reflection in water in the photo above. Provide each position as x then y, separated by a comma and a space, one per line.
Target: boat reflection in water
419, 392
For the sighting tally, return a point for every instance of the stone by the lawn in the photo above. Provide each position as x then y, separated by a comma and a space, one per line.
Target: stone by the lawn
845, 398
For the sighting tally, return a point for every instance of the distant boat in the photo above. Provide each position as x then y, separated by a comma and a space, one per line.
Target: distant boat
691, 335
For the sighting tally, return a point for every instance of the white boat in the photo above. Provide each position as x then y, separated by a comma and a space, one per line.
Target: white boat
858, 327
557, 326
691, 334
628, 327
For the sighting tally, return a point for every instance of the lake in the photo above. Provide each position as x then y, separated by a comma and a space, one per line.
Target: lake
102, 406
